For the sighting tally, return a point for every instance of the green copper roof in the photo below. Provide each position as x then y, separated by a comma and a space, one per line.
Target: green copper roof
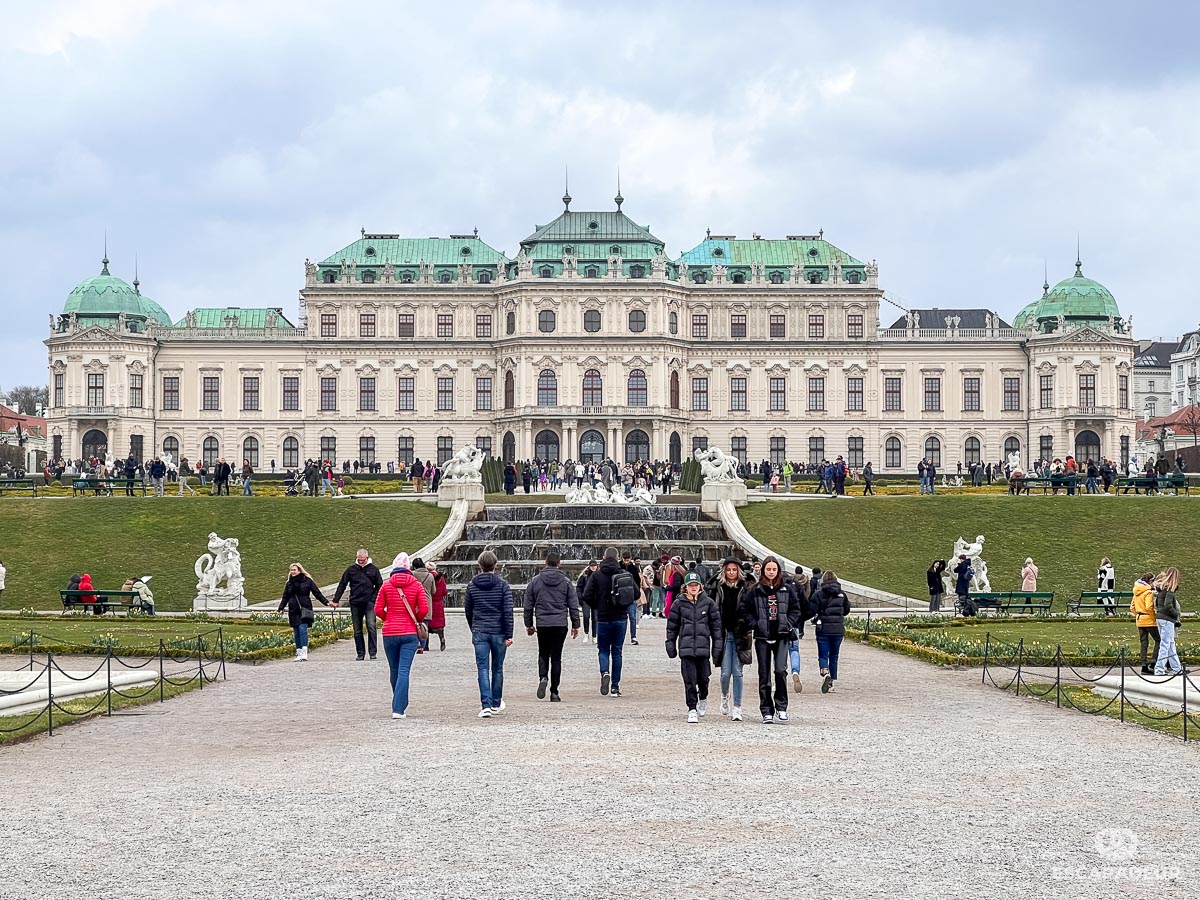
104, 297
591, 226
1077, 298
1022, 317
789, 252
374, 250
252, 317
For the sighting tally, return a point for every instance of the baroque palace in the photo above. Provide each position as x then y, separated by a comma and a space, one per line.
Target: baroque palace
591, 341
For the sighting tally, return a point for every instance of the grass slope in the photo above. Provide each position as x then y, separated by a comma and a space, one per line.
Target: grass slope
889, 542
42, 542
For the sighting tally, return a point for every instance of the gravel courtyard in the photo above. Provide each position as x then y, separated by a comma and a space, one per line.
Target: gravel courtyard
292, 781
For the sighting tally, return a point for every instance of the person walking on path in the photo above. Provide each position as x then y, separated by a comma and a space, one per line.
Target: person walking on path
1029, 576
428, 584
933, 576
437, 618
402, 605
296, 600
364, 581
831, 606
590, 623
738, 642
695, 635
550, 599
1142, 607
800, 587
868, 475
158, 474
672, 579
489, 612
1167, 612
609, 591
628, 564
1106, 583
247, 478
771, 609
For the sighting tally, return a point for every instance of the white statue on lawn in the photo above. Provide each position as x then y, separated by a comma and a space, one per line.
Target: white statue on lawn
222, 563
715, 465
974, 552
465, 465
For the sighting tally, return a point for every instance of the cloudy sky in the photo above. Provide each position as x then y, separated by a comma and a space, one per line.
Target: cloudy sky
959, 144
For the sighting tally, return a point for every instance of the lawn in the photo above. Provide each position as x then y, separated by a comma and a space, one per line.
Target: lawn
889, 542
42, 542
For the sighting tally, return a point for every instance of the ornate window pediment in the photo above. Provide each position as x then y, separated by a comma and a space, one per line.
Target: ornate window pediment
547, 362
738, 369
592, 362
637, 362
699, 368
328, 370
816, 370
445, 370
1087, 366
367, 369
95, 365
483, 368
816, 432
136, 366
777, 371
855, 369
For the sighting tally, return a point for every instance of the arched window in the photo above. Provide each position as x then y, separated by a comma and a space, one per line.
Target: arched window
250, 451
508, 446
891, 453
485, 277
510, 390
171, 446
739, 278
700, 277
971, 451
444, 278
854, 278
637, 271
1012, 445
638, 393
591, 447
637, 321
510, 323
406, 277
547, 389
674, 319
814, 277
591, 321
546, 272
591, 272
593, 388
637, 446
368, 277
546, 321
329, 276
674, 390
676, 451
545, 446
209, 451
614, 250
291, 453
776, 278
1087, 446
933, 450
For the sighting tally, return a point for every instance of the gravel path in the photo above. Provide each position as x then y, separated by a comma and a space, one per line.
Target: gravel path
291, 780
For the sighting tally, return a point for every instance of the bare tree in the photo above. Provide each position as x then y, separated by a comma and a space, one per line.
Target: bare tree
25, 398
1190, 422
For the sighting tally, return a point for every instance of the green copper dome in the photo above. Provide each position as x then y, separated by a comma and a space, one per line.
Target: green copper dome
1022, 318
101, 298
1077, 298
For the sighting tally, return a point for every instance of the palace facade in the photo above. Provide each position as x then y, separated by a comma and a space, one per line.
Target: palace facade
591, 341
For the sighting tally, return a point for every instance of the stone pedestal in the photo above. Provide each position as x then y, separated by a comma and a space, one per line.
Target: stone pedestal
713, 492
219, 601
471, 491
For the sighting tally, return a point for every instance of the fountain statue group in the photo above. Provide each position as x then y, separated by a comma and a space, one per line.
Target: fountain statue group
973, 551
597, 495
222, 563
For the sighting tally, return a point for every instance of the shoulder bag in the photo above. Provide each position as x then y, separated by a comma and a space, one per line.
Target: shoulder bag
422, 629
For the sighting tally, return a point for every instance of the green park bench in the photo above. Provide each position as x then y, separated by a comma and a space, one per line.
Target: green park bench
1173, 482
1023, 485
72, 599
1027, 601
105, 485
1097, 601
987, 600
18, 484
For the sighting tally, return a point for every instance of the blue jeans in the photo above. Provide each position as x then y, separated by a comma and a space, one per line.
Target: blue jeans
611, 636
794, 654
633, 617
246, 492
400, 650
731, 668
300, 635
1091, 486
326, 485
829, 646
489, 660
1168, 658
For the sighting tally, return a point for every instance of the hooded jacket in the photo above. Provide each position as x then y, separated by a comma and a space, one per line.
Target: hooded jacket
1142, 605
694, 628
1166, 607
551, 597
364, 583
598, 592
489, 605
390, 607
296, 593
85, 584
727, 597
437, 617
831, 606
756, 606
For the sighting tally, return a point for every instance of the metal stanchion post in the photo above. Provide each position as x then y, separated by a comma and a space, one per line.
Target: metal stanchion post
50, 692
200, 661
221, 638
161, 680
987, 644
1058, 677
1122, 684
1184, 678
1020, 661
108, 666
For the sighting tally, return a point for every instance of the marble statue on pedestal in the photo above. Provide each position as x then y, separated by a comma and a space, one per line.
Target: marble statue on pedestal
715, 465
222, 563
464, 466
974, 553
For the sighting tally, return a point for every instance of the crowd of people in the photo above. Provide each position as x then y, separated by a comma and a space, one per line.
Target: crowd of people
535, 475
723, 621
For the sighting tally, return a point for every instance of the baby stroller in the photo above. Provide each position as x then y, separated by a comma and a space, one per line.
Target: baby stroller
293, 486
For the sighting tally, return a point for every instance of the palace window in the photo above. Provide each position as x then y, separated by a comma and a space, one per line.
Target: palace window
673, 390
700, 394
591, 272
738, 278
971, 452
366, 324
170, 391
291, 392
366, 451
328, 394
250, 451
445, 450
445, 325
816, 326
778, 394
699, 443
445, 394
854, 325
546, 272
778, 451
546, 321
700, 277
699, 325
329, 276
485, 444
366, 394
406, 325
816, 395
854, 393
637, 321
210, 450
445, 277
816, 450
854, 453
1011, 445
591, 321
135, 390
737, 325
737, 447
674, 320
891, 453
211, 386
814, 277
971, 399
291, 453
593, 388
1046, 446
485, 277
404, 450
171, 446
893, 399
1123, 390
483, 393
933, 451
328, 325
637, 271
933, 394
1087, 391
60, 392
329, 449
510, 390
368, 276
778, 325
737, 393
1012, 393
483, 325
547, 388
776, 278
854, 277
250, 392
95, 389
510, 323
638, 392
1046, 391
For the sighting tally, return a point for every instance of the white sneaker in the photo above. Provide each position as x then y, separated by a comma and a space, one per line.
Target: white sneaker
724, 706
299, 655
736, 716
304, 654
399, 715
832, 685
693, 717
485, 713
702, 708
496, 710
768, 720
781, 716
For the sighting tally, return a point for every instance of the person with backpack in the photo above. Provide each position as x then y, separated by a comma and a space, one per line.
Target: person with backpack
962, 585
489, 612
549, 599
831, 606
770, 609
609, 591
695, 635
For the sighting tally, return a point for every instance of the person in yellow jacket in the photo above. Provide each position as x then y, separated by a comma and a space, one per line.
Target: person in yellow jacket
1142, 608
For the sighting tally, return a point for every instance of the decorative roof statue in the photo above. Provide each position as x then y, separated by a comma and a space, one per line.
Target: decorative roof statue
683, 270
310, 271
501, 272
345, 268
916, 320
718, 272
872, 268
389, 272
53, 324
835, 269
272, 318
524, 263
658, 265
957, 321
189, 320
120, 321
1060, 323
464, 272
797, 273
73, 322
948, 320
1129, 324
426, 270
568, 261
353, 270
614, 265
756, 271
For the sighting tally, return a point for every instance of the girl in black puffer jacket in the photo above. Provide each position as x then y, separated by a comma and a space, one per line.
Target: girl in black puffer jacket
695, 635
832, 606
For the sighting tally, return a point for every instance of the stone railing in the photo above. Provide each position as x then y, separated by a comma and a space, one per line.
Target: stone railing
952, 334
228, 333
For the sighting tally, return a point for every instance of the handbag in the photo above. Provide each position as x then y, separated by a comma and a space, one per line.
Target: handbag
422, 628
745, 649
307, 616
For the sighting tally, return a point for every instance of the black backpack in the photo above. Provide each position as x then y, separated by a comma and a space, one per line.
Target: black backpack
624, 589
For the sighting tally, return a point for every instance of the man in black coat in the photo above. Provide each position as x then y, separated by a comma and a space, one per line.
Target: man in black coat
609, 592
364, 581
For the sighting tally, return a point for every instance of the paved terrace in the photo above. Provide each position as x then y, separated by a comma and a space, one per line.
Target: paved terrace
291, 780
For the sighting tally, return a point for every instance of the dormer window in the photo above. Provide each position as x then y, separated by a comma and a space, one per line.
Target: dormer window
700, 277
591, 272
854, 278
718, 252
546, 272
739, 278
444, 278
637, 271
614, 250
368, 277
776, 278
485, 277
593, 225
370, 251
568, 250
465, 251
406, 277
814, 277
330, 276
812, 251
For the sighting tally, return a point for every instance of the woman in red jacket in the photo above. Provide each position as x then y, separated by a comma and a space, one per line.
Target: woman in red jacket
401, 605
437, 618
85, 584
